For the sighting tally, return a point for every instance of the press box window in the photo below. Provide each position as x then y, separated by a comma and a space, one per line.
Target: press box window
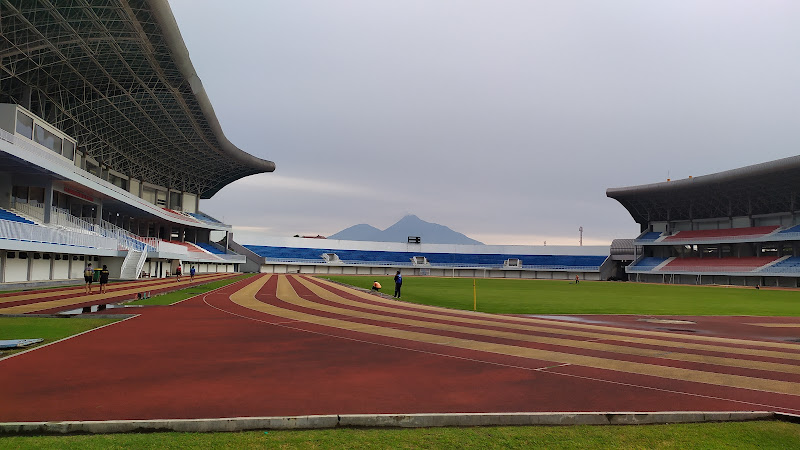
24, 125
48, 139
69, 150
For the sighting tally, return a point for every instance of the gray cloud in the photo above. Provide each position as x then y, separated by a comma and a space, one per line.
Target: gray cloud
506, 119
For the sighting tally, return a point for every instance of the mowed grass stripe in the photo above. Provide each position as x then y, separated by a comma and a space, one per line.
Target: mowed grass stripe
672, 354
247, 298
608, 333
82, 298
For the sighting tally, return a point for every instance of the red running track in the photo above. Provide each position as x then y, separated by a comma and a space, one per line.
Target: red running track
291, 345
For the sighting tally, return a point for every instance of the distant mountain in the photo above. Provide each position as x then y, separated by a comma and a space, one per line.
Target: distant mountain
360, 232
411, 225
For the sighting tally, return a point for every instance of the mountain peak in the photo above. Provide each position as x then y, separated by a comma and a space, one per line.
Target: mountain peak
409, 225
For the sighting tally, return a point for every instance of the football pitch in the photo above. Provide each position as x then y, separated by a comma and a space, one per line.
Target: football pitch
515, 296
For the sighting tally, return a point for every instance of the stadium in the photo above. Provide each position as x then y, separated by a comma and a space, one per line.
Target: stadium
738, 227
108, 144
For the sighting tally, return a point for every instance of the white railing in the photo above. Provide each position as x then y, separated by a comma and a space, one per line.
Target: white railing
140, 263
164, 246
33, 211
127, 264
25, 232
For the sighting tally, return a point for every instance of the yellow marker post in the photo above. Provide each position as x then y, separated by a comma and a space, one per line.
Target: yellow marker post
474, 296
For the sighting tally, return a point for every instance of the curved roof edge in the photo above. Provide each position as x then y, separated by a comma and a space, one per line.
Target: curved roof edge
755, 170
172, 35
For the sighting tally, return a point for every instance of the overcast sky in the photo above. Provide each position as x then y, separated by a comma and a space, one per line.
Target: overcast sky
505, 120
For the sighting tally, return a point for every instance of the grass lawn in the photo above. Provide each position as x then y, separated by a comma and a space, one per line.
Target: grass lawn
514, 296
742, 435
49, 329
176, 296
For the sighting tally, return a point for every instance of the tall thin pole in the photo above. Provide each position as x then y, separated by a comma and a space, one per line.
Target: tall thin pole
581, 239
474, 296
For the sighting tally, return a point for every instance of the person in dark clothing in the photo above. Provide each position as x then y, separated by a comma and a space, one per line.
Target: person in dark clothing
88, 272
398, 283
103, 279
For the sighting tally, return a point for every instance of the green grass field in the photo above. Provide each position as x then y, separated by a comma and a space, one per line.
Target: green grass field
743, 435
49, 329
514, 296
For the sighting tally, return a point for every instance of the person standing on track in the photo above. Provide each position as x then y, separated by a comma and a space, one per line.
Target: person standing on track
103, 279
178, 273
88, 272
191, 273
398, 283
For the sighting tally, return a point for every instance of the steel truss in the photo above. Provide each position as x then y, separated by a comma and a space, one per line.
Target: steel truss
115, 75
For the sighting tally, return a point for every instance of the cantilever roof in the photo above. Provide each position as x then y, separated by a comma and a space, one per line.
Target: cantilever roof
766, 188
116, 75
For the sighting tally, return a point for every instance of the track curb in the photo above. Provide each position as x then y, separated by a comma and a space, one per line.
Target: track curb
386, 421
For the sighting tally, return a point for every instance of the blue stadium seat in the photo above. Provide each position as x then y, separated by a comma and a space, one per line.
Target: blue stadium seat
8, 215
210, 248
651, 236
794, 229
435, 259
648, 263
788, 265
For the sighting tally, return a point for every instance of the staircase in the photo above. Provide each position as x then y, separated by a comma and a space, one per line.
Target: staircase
132, 265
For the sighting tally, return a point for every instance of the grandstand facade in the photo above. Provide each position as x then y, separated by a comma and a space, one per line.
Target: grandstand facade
328, 256
108, 142
738, 227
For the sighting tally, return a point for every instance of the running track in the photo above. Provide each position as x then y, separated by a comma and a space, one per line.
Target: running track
290, 345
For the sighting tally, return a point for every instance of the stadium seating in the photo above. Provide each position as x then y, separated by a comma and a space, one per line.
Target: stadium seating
210, 248
648, 263
650, 236
699, 235
189, 246
10, 216
435, 259
788, 265
204, 217
694, 264
794, 229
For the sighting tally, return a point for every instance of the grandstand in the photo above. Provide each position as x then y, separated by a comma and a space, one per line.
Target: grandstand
317, 256
739, 227
108, 142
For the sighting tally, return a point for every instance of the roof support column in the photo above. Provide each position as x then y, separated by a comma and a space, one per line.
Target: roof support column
99, 215
48, 200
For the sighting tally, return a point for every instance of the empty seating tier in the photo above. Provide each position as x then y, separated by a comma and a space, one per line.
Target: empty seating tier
435, 259
651, 236
788, 265
210, 248
699, 235
745, 264
794, 229
648, 263
10, 216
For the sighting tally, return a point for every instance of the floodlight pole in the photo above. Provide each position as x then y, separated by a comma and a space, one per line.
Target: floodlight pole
581, 238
